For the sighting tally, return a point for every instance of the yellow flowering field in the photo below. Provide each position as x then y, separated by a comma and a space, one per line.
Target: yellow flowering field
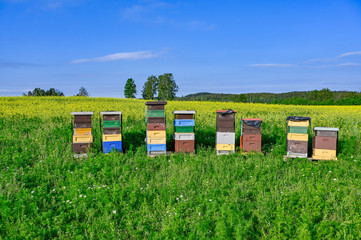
45, 193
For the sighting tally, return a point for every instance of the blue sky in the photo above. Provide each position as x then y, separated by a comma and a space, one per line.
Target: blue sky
215, 46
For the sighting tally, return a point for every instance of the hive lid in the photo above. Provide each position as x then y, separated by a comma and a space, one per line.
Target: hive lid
298, 119
156, 103
81, 113
223, 111
331, 129
184, 112
110, 113
252, 119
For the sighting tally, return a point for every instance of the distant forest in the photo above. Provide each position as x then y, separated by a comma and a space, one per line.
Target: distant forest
315, 97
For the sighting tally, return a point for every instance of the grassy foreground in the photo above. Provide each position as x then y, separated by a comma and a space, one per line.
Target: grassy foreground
45, 193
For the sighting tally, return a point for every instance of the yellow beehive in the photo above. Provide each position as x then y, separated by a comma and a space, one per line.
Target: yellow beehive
155, 134
324, 153
298, 123
112, 137
82, 131
82, 138
156, 140
297, 136
225, 147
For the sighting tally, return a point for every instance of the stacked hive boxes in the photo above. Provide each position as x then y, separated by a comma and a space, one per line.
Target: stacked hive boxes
82, 136
325, 143
225, 136
112, 134
297, 136
184, 123
251, 138
156, 128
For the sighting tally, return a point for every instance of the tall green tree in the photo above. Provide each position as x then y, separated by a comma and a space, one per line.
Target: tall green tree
167, 87
83, 92
130, 89
150, 87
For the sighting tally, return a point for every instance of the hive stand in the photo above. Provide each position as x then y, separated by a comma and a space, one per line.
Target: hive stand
184, 137
325, 143
251, 137
297, 136
112, 131
82, 135
156, 128
225, 135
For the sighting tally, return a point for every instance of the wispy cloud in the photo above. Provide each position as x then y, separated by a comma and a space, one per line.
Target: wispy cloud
157, 12
274, 65
349, 64
119, 56
10, 64
13, 91
349, 54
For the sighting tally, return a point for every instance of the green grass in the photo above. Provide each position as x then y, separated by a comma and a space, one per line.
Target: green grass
46, 193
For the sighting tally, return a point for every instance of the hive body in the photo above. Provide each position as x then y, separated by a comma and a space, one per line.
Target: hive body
297, 136
184, 136
251, 137
82, 135
225, 135
112, 131
156, 128
325, 143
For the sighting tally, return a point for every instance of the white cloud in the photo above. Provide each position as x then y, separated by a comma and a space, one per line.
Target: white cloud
280, 65
119, 56
349, 54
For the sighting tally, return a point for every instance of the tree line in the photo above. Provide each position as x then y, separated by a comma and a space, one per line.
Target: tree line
162, 87
316, 97
38, 92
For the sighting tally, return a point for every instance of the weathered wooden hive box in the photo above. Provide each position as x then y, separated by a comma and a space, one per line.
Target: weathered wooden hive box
82, 135
184, 137
225, 131
156, 127
112, 131
251, 137
325, 143
297, 136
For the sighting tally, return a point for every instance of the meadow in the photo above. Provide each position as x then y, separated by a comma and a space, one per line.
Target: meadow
46, 193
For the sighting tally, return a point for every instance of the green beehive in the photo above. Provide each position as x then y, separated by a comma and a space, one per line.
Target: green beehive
111, 124
156, 113
184, 129
294, 129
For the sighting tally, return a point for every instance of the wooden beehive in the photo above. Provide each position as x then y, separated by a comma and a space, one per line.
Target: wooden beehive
184, 136
82, 134
112, 131
156, 127
325, 143
225, 135
251, 137
297, 136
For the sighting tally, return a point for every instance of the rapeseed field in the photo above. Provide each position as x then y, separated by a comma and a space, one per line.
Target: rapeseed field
46, 193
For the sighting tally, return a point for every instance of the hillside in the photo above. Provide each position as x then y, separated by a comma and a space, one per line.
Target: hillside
315, 97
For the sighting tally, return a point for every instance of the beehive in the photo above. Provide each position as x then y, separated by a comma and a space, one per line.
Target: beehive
325, 143
184, 136
82, 135
297, 136
112, 137
225, 131
251, 137
156, 128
